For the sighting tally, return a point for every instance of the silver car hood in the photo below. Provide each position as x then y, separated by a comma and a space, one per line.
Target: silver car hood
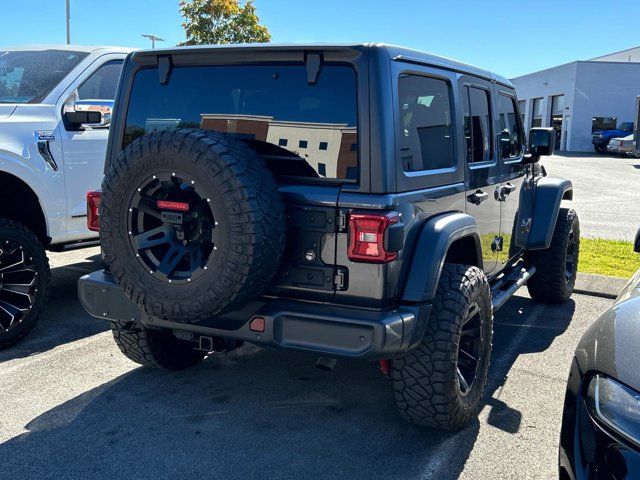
6, 109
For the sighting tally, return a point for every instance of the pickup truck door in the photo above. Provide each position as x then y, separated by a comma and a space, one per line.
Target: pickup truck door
483, 170
510, 195
84, 150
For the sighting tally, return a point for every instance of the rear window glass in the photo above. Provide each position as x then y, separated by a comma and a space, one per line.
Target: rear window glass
301, 129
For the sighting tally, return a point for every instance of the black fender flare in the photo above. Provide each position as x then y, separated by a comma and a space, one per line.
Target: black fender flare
549, 193
436, 235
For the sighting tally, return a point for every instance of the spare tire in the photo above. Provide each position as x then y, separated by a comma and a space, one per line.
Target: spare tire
192, 224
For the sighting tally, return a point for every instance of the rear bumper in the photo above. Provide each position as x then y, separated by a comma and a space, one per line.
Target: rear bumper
322, 329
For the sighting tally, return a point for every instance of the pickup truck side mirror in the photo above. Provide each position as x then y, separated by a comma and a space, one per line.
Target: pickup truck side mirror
636, 244
504, 140
542, 141
88, 114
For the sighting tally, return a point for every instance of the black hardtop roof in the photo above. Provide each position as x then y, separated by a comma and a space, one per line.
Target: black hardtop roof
394, 53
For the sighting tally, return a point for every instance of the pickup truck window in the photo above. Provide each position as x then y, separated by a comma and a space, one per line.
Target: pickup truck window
29, 76
426, 138
102, 84
301, 129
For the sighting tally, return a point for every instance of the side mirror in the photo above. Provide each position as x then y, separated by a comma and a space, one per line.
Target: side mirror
88, 114
636, 244
542, 141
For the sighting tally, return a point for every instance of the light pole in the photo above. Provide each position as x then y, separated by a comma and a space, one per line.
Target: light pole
153, 39
68, 15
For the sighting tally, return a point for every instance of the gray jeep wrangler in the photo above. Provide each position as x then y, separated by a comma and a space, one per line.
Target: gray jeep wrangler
366, 202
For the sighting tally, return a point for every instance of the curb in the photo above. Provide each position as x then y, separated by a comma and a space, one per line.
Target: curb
599, 285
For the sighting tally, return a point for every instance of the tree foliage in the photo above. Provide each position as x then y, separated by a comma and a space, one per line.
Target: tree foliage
221, 21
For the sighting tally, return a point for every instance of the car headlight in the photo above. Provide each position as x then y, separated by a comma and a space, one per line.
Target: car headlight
615, 406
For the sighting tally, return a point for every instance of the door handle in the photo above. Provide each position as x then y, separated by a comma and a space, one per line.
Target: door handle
477, 197
509, 188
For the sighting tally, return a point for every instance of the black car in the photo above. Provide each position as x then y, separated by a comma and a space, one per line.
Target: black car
363, 201
600, 436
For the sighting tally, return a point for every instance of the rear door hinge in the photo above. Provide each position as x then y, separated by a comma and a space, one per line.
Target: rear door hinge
341, 220
340, 278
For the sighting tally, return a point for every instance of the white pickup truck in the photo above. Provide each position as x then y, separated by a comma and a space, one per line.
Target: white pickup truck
55, 110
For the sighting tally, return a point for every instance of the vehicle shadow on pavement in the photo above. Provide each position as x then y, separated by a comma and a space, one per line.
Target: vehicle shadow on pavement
62, 319
264, 414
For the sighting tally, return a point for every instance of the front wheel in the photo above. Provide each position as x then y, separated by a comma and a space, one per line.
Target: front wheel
439, 383
557, 266
24, 277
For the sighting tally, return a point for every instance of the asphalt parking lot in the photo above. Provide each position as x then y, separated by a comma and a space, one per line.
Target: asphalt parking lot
74, 407
605, 192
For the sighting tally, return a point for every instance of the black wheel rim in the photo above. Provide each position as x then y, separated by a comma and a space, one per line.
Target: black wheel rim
469, 349
570, 260
18, 284
173, 246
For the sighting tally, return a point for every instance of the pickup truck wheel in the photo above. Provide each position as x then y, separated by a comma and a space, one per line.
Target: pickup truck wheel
24, 277
192, 224
557, 266
439, 383
154, 348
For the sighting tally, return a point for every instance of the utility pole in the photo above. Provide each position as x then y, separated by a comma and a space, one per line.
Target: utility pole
68, 14
153, 39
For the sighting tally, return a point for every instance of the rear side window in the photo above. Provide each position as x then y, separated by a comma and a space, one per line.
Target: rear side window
301, 129
477, 125
511, 126
426, 139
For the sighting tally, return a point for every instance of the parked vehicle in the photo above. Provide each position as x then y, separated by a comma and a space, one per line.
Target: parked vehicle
600, 435
601, 138
363, 201
55, 109
625, 146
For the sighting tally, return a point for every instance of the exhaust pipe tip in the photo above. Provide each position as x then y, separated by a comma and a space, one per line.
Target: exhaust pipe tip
326, 364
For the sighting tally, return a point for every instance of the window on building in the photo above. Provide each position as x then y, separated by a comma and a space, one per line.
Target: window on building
522, 106
477, 125
511, 125
102, 84
603, 123
283, 142
322, 169
536, 113
303, 144
426, 141
323, 145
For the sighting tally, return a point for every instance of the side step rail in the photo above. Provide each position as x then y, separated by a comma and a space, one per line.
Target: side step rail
505, 288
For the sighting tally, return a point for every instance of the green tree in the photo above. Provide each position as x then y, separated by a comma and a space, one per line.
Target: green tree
221, 21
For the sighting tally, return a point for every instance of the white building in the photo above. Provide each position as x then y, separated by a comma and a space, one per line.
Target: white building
581, 96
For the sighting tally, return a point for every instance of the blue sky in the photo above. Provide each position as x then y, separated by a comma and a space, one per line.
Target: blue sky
510, 37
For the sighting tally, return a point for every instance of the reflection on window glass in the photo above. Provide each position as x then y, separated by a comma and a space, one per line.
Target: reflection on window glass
273, 108
29, 76
477, 125
509, 125
426, 140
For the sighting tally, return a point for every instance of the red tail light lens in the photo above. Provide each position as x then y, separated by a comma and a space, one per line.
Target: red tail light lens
175, 206
367, 234
93, 211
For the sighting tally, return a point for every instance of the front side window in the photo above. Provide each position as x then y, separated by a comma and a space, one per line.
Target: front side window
272, 108
29, 76
477, 125
426, 136
102, 84
510, 128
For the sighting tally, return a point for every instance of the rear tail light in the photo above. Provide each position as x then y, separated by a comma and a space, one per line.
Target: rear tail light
368, 237
93, 211
175, 206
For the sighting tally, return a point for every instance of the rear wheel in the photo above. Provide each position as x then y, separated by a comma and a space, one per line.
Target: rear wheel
557, 266
440, 383
24, 277
154, 348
